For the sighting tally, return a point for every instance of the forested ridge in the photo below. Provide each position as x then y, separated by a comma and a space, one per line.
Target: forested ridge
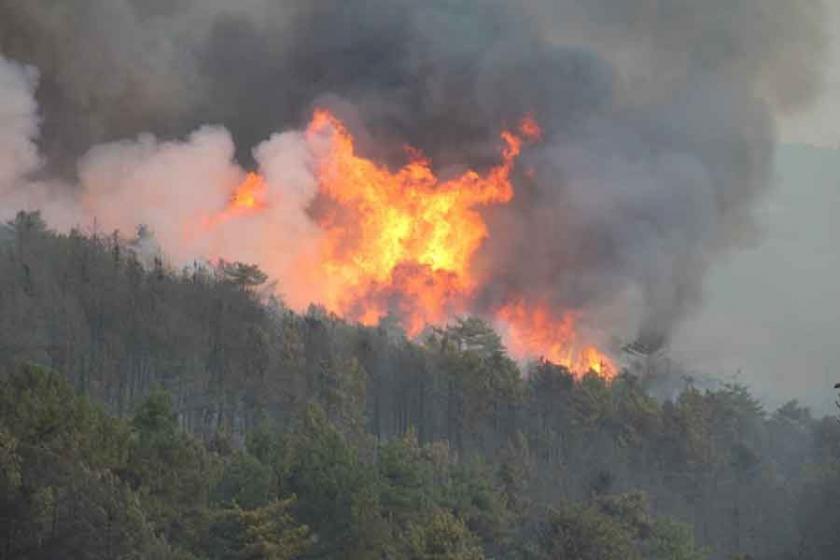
154, 412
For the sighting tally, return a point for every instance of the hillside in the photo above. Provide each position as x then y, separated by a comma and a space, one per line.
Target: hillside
152, 412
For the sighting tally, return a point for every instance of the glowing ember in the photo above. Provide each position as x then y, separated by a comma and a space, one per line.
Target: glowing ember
530, 129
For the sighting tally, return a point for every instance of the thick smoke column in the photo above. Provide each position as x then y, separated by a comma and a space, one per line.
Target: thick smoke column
658, 119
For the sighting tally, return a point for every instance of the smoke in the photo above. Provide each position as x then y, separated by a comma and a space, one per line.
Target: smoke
658, 120
177, 189
18, 126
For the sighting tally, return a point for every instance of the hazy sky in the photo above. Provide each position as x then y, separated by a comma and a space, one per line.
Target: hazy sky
820, 126
772, 311
782, 296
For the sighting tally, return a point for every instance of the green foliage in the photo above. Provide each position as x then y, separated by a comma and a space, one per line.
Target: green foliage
410, 479
583, 533
269, 532
471, 334
154, 417
272, 534
232, 427
58, 459
171, 471
474, 494
241, 274
246, 481
670, 540
441, 536
328, 476
613, 527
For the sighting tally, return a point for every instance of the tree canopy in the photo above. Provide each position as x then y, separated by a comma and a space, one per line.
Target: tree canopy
147, 412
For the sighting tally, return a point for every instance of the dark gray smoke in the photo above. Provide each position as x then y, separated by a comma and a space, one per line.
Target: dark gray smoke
658, 116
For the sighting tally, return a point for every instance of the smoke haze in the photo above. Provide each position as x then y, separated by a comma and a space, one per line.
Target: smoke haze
658, 126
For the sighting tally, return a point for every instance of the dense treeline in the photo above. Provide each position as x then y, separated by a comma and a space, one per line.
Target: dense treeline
78, 483
227, 426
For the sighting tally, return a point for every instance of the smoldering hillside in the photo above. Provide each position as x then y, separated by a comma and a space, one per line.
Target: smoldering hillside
658, 117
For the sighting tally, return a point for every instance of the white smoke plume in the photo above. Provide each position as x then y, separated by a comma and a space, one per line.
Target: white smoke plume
18, 131
179, 189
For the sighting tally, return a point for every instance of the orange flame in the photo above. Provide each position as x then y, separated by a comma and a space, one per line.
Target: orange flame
403, 241
534, 331
250, 194
248, 197
529, 128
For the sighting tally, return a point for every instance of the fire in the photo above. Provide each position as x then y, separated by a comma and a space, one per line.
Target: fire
250, 194
403, 242
530, 129
248, 197
534, 331
400, 241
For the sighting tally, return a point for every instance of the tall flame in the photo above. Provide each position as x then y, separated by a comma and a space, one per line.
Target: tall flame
401, 241
404, 241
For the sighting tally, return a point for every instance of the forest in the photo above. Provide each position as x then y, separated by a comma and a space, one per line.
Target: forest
150, 411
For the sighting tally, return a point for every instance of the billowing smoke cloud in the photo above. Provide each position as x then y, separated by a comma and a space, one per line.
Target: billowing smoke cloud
18, 126
179, 189
658, 121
